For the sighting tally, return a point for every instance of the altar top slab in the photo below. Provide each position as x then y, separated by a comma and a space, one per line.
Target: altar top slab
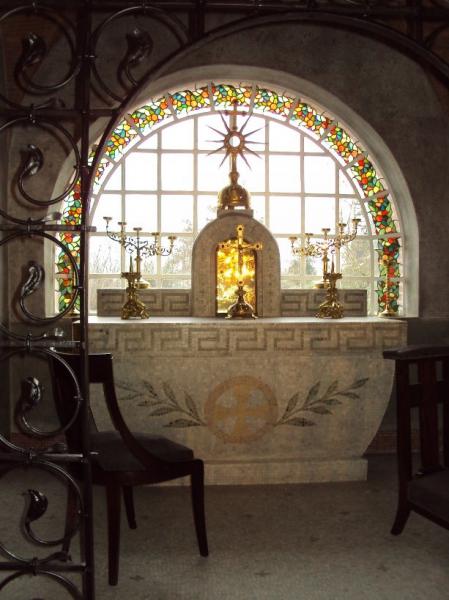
212, 321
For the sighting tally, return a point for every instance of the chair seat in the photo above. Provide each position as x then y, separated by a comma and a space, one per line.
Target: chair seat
113, 455
431, 492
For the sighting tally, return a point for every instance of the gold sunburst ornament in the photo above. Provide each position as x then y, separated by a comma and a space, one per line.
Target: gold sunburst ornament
235, 143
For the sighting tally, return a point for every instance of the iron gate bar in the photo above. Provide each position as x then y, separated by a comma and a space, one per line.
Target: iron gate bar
82, 97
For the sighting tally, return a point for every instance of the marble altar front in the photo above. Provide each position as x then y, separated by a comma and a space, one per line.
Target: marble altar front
277, 400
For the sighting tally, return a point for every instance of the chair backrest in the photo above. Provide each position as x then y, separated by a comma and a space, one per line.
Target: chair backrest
422, 381
100, 371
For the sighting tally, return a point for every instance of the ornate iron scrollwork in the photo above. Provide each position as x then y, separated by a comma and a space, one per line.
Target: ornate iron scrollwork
139, 44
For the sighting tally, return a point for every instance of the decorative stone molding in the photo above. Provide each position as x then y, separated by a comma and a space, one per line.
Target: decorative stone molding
159, 302
305, 303
204, 337
178, 303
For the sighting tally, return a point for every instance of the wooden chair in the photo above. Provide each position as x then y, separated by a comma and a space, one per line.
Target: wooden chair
422, 380
123, 459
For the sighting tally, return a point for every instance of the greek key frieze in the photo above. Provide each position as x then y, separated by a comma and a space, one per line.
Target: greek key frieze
190, 339
305, 303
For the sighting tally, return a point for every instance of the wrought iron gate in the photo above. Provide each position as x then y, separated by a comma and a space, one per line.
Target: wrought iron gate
43, 110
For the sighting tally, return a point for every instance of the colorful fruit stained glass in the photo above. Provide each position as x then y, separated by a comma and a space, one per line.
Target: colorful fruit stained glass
153, 113
268, 101
306, 116
190, 100
263, 101
365, 175
119, 140
226, 95
339, 141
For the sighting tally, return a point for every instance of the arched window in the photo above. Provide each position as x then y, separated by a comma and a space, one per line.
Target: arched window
157, 173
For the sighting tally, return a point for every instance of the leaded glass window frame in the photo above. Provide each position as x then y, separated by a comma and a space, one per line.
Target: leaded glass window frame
145, 125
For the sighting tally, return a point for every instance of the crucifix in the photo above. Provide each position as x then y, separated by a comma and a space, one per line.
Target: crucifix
240, 309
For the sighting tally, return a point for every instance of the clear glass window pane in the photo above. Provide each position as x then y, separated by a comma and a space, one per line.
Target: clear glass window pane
102, 283
355, 258
109, 205
179, 262
149, 263
211, 176
314, 266
178, 136
290, 263
283, 138
104, 255
258, 206
319, 175
150, 143
141, 171
115, 180
285, 214
177, 171
252, 177
319, 213
291, 283
350, 209
311, 146
255, 130
176, 213
284, 173
206, 210
344, 184
141, 211
208, 139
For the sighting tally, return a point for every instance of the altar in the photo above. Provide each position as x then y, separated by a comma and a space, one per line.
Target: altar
273, 400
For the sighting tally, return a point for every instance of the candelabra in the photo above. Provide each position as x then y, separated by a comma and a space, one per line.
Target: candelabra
134, 307
327, 245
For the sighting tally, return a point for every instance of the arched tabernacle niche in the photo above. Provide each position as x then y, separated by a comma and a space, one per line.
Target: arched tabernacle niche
204, 265
286, 107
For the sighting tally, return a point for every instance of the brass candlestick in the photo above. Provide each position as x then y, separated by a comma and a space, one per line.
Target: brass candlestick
134, 307
323, 247
331, 307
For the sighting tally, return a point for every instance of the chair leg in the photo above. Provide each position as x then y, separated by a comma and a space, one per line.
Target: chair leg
402, 515
197, 489
113, 507
128, 497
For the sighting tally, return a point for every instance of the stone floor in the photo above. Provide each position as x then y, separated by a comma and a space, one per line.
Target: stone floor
286, 542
